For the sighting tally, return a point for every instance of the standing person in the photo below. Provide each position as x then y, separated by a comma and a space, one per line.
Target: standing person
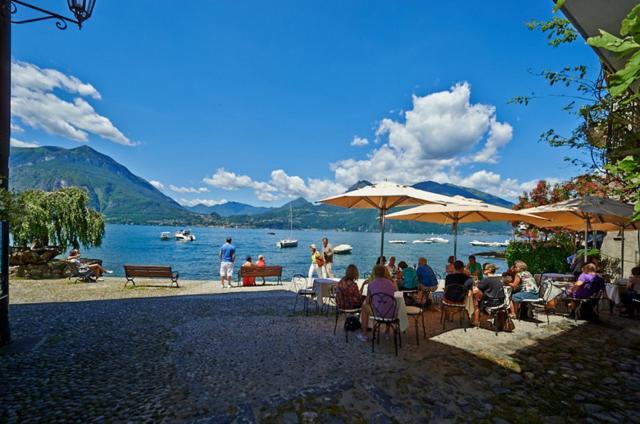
248, 281
316, 263
227, 258
474, 268
327, 252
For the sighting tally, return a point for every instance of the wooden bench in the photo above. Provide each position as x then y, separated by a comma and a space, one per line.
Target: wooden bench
260, 272
150, 271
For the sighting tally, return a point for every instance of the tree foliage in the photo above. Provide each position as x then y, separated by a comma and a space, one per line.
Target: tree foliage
61, 218
545, 256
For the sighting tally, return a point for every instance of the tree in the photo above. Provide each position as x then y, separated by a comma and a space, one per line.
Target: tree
61, 218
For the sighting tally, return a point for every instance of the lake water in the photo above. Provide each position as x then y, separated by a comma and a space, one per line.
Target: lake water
138, 244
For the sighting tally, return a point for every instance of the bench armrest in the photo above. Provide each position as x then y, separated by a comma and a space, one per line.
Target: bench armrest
176, 274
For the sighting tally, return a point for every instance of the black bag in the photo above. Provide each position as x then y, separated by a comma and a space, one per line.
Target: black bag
351, 324
503, 322
587, 311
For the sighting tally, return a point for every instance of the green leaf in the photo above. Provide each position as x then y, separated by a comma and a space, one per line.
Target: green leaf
622, 80
613, 44
558, 5
631, 23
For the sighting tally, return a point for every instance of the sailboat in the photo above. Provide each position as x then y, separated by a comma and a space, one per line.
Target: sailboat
290, 242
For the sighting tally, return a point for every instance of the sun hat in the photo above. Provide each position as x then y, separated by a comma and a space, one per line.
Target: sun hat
313, 246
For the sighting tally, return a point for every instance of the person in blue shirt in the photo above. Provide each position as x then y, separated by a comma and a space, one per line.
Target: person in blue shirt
426, 275
227, 258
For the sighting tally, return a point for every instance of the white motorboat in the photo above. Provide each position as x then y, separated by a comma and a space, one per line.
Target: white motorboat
287, 243
425, 241
438, 240
184, 235
342, 249
290, 242
165, 235
397, 241
490, 243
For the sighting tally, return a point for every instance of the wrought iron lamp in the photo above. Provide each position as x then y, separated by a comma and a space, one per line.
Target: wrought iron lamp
81, 9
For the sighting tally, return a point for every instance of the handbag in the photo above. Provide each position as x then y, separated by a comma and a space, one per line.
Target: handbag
351, 324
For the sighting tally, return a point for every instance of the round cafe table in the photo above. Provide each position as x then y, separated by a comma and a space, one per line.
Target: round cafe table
614, 290
322, 288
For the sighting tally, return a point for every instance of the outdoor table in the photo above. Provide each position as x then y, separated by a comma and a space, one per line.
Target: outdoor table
322, 288
614, 290
558, 287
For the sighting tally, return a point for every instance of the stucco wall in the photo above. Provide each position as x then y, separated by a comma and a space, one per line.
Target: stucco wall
612, 248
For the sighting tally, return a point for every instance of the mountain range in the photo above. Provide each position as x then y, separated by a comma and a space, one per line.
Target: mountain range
126, 198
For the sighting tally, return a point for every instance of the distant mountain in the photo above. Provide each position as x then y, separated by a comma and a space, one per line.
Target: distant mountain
228, 209
325, 217
455, 190
116, 192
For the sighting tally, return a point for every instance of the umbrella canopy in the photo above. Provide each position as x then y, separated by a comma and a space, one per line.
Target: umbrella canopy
595, 210
384, 196
473, 211
586, 212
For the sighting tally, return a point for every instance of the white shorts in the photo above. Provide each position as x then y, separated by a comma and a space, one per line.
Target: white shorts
226, 269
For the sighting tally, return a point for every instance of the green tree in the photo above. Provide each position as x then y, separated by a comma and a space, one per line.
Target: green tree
61, 218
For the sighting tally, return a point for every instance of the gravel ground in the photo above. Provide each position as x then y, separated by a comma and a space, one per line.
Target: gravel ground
102, 353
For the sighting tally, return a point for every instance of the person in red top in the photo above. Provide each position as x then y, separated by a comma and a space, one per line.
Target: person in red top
350, 295
261, 261
248, 281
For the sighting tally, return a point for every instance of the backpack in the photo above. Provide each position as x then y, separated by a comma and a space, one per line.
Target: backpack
351, 323
503, 322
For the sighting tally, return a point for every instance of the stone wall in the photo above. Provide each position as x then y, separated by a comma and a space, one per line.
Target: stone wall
54, 269
611, 247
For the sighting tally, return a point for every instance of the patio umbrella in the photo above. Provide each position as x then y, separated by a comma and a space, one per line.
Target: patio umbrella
454, 214
384, 196
586, 212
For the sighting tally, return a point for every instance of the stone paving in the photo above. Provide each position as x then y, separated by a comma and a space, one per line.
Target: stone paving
195, 355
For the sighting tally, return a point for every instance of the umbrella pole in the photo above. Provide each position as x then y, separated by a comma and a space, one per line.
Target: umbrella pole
455, 240
622, 253
586, 236
382, 212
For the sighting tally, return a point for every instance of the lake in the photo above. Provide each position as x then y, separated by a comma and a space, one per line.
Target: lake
198, 260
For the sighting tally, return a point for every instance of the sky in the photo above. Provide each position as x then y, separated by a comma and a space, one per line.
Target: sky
261, 102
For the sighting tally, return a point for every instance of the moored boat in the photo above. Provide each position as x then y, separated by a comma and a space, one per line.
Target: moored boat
342, 249
438, 240
184, 235
397, 241
165, 235
287, 243
425, 241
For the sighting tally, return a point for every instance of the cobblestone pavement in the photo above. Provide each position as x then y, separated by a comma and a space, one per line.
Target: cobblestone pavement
244, 357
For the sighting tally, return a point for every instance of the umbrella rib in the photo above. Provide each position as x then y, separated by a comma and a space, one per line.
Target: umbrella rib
371, 202
397, 202
482, 216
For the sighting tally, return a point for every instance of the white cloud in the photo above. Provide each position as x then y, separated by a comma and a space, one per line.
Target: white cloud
20, 143
157, 184
206, 202
35, 103
188, 189
359, 141
15, 128
439, 134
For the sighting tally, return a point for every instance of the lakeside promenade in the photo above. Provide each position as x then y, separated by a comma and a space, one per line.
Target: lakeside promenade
102, 353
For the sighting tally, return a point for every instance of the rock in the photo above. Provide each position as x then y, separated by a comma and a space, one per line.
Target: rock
290, 418
309, 417
516, 378
609, 380
578, 398
591, 408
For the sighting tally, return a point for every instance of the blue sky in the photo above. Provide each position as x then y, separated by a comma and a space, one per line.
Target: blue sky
261, 101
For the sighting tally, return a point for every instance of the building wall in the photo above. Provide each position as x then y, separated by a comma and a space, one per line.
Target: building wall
612, 248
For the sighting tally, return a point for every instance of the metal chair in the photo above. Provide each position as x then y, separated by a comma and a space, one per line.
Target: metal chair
459, 308
416, 311
340, 310
307, 293
384, 310
504, 307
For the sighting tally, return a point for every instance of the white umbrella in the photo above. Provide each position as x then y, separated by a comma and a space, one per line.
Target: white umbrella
384, 196
454, 214
584, 212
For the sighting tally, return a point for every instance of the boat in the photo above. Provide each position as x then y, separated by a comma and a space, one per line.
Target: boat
184, 235
425, 241
490, 243
438, 240
290, 242
342, 249
397, 241
271, 233
165, 235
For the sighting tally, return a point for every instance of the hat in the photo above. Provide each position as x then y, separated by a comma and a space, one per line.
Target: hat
313, 246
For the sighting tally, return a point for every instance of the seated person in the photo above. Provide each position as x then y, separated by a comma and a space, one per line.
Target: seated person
588, 284
98, 270
261, 261
457, 285
391, 266
491, 288
379, 284
474, 268
248, 281
350, 296
523, 284
633, 291
426, 276
450, 268
407, 278
382, 260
